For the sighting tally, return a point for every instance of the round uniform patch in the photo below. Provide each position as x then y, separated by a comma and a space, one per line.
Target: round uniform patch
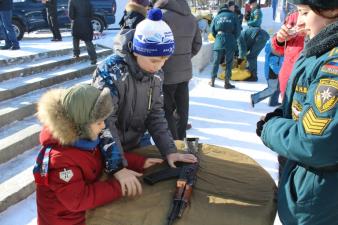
326, 94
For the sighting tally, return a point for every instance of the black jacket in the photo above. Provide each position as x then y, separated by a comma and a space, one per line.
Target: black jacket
81, 13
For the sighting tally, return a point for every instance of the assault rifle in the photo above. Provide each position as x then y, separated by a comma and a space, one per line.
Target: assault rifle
186, 174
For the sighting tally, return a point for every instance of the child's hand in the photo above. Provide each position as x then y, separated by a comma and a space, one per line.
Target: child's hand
174, 157
285, 33
151, 161
130, 185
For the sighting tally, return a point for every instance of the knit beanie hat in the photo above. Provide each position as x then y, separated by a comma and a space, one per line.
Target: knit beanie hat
322, 4
85, 104
145, 3
252, 1
153, 37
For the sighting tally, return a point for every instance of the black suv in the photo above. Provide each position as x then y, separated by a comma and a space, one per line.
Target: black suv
30, 15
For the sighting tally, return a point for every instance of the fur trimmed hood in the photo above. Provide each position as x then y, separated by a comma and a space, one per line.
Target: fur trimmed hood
67, 113
133, 7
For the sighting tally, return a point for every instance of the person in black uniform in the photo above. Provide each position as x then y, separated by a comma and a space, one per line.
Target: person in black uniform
52, 19
81, 13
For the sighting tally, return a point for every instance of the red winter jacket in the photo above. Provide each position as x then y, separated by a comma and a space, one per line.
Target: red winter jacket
291, 50
64, 201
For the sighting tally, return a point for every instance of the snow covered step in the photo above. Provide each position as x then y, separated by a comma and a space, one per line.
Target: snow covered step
18, 137
40, 55
25, 105
46, 64
22, 85
16, 179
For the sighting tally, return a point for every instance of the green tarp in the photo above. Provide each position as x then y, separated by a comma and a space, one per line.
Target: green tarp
231, 189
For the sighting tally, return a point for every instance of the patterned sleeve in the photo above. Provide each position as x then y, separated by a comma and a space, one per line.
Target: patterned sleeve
106, 75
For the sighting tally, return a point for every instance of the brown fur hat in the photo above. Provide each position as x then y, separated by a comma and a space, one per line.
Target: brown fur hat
67, 113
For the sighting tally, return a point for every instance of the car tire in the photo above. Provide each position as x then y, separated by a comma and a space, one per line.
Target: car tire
18, 29
98, 24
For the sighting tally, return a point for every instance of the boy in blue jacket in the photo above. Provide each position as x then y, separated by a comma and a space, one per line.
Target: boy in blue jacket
272, 66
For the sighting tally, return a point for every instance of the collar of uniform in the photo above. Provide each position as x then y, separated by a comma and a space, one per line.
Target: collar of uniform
322, 42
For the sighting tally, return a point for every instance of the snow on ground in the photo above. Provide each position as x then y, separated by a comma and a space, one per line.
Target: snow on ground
218, 116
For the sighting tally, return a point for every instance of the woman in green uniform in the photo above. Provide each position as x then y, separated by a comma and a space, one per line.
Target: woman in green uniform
305, 128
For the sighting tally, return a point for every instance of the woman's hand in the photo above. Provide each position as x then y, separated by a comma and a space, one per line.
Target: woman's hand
151, 162
174, 157
130, 185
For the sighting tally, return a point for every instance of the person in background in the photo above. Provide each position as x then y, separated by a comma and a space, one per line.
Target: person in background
134, 76
288, 42
6, 7
304, 129
239, 14
52, 19
240, 19
272, 66
69, 164
178, 68
252, 40
81, 13
135, 12
225, 28
203, 25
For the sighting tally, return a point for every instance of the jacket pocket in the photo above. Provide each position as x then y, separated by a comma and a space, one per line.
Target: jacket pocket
302, 186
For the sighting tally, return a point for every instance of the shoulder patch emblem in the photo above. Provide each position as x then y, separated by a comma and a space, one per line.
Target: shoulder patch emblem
330, 67
333, 51
326, 94
66, 175
313, 124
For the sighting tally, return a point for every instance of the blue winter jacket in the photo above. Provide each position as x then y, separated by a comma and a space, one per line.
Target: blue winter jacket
271, 61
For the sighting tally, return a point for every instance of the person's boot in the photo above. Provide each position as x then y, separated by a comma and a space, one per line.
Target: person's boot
227, 84
252, 78
6, 47
212, 82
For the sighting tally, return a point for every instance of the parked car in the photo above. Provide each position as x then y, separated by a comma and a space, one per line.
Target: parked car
30, 15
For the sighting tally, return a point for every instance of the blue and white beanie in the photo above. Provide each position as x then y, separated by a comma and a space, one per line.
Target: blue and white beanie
153, 37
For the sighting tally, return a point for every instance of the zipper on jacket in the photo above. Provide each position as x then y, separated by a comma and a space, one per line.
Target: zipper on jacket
150, 93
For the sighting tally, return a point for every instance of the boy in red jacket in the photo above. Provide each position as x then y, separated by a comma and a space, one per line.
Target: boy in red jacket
69, 164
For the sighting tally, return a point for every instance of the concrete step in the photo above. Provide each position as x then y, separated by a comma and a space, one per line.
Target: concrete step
41, 65
41, 55
17, 137
16, 179
25, 105
22, 85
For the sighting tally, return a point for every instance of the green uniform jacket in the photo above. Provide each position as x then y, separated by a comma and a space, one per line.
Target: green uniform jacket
307, 135
226, 28
256, 17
